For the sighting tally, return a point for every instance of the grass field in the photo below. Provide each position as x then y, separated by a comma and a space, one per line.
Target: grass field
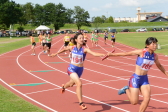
137, 40
9, 102
12, 103
8, 44
104, 26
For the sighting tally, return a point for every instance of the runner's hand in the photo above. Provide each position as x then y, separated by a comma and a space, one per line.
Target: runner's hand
52, 55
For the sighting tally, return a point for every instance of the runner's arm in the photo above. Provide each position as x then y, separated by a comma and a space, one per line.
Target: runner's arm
93, 53
61, 51
131, 53
160, 67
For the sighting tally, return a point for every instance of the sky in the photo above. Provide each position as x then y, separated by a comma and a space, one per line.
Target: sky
114, 8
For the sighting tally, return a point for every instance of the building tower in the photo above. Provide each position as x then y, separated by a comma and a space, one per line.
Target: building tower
138, 9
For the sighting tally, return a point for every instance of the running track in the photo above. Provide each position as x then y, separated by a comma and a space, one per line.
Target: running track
101, 80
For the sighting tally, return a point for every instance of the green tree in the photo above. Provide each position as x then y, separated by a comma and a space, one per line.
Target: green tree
110, 19
3, 1
3, 26
69, 16
28, 12
20, 28
60, 16
38, 15
103, 17
81, 16
22, 19
97, 21
10, 12
49, 11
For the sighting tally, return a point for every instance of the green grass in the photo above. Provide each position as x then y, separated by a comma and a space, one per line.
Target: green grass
9, 102
137, 40
14, 43
104, 26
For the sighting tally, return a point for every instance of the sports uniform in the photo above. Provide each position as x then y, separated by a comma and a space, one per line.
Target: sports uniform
78, 56
105, 35
92, 37
145, 62
49, 40
113, 38
66, 40
44, 41
33, 42
96, 38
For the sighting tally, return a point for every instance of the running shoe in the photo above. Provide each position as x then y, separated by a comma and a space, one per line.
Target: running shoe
83, 107
63, 89
123, 90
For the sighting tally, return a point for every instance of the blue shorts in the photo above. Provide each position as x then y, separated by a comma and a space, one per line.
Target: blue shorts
75, 69
136, 81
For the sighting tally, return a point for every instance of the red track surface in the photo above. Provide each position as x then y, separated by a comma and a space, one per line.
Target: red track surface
101, 80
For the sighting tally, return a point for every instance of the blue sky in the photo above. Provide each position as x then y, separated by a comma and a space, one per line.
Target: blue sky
115, 8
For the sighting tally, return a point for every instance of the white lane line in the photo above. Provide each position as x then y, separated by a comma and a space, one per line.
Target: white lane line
102, 82
42, 91
159, 94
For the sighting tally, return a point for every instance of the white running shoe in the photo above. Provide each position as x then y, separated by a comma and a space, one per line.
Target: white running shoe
65, 53
34, 54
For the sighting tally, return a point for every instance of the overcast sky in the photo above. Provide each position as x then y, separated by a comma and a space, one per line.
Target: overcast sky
115, 8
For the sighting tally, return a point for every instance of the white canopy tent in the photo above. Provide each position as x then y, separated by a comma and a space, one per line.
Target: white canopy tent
42, 27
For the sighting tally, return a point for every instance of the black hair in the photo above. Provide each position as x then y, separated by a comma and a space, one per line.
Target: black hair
150, 40
72, 39
30, 34
76, 36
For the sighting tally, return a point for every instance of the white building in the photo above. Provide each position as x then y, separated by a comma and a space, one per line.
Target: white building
140, 16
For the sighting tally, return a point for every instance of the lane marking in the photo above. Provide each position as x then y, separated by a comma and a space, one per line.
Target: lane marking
159, 94
41, 91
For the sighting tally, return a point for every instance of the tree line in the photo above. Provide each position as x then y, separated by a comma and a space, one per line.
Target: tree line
56, 14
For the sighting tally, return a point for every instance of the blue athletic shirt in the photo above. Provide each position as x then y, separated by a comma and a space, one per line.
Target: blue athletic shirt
146, 61
112, 36
78, 56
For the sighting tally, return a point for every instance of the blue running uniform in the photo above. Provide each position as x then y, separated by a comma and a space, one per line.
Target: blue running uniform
145, 62
78, 56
